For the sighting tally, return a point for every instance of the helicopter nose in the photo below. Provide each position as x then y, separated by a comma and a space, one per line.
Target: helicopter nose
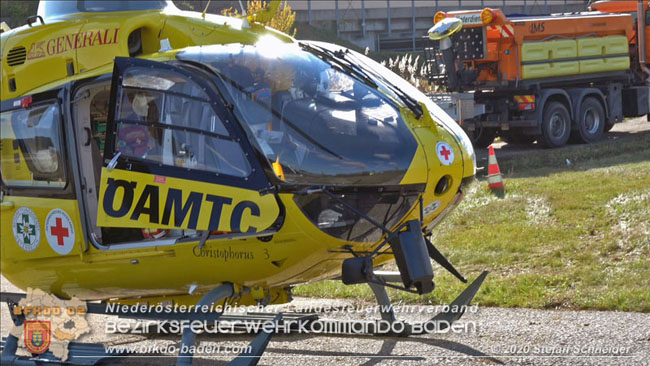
467, 155
447, 147
450, 164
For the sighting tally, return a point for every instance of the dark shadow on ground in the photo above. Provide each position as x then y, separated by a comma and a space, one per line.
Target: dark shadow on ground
278, 344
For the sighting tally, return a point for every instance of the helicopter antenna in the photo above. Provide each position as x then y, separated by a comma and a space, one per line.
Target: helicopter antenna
243, 11
206, 9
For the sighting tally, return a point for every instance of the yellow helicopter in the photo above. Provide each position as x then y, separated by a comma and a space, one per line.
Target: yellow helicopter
151, 154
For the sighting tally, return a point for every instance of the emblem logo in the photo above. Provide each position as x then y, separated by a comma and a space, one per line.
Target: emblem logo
27, 229
37, 335
445, 153
59, 231
36, 50
431, 208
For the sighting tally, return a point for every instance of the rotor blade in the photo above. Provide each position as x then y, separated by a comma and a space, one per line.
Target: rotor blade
441, 260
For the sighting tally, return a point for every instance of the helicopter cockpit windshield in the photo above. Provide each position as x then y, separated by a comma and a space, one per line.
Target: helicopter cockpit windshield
321, 124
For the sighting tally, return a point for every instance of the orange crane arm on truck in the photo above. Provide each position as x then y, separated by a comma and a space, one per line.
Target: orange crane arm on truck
542, 46
544, 78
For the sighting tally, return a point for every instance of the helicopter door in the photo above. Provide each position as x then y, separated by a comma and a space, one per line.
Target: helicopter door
40, 214
89, 113
175, 160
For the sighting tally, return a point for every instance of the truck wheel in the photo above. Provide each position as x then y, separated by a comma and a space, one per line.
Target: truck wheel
517, 138
482, 137
556, 125
591, 121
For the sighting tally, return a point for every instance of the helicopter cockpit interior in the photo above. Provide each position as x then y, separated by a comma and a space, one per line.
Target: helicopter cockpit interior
320, 124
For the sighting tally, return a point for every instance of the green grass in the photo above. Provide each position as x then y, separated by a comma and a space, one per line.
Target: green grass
574, 236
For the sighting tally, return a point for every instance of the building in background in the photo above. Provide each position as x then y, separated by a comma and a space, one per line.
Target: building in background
401, 24
398, 25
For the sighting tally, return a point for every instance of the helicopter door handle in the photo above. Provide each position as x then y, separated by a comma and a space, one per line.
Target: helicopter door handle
32, 18
111, 164
7, 205
88, 136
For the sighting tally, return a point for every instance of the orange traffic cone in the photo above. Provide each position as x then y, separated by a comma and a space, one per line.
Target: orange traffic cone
495, 181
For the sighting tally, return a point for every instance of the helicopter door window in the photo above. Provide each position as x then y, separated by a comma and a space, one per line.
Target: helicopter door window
31, 147
167, 119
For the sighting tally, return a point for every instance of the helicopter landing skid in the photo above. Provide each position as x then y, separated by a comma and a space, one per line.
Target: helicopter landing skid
93, 353
442, 321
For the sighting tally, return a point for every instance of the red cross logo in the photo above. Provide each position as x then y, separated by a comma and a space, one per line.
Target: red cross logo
444, 152
59, 231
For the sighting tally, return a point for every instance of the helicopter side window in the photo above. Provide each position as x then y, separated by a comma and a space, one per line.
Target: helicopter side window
167, 119
31, 147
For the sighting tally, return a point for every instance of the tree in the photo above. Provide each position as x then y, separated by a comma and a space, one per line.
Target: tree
15, 13
184, 5
282, 20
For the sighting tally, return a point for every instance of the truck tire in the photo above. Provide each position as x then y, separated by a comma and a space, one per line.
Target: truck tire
482, 137
516, 138
590, 123
556, 125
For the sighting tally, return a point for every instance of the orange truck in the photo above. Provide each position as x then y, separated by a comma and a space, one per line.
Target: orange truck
549, 78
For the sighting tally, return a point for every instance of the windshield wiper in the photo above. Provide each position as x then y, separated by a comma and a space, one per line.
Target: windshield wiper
341, 59
410, 102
